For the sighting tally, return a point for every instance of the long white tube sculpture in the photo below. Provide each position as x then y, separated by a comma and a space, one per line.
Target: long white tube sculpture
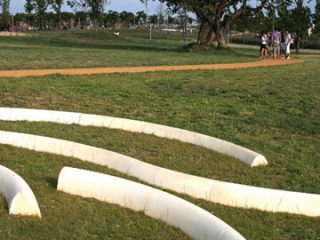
235, 195
19, 196
35, 115
194, 221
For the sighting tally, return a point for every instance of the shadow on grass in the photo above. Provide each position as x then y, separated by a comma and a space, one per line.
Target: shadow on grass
107, 41
84, 43
52, 182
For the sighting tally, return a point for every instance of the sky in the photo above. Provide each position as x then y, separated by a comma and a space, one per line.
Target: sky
116, 5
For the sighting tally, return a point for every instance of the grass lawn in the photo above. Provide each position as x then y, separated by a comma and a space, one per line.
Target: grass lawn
272, 110
103, 49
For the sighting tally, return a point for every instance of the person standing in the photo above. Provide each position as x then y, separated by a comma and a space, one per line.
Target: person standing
263, 45
282, 45
276, 40
288, 41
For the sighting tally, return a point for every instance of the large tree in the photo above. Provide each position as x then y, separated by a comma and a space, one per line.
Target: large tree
96, 7
301, 16
95, 10
216, 16
126, 18
29, 7
78, 5
252, 22
41, 7
316, 18
294, 16
57, 5
111, 18
161, 11
141, 16
5, 6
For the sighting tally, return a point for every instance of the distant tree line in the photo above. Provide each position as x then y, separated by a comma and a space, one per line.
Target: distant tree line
48, 14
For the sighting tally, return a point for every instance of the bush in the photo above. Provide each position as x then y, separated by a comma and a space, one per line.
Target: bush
245, 40
4, 26
311, 43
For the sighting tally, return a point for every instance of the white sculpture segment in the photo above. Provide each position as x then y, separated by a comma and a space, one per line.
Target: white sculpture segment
194, 221
19, 196
235, 195
37, 115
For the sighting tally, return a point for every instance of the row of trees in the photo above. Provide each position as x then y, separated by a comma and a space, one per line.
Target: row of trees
44, 14
82, 19
38, 9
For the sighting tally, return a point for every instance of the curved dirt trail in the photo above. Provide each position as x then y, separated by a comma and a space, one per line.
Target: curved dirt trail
84, 71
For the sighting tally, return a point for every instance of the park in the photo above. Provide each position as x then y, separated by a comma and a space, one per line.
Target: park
153, 131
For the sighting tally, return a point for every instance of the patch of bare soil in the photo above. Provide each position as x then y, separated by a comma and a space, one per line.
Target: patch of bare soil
11, 34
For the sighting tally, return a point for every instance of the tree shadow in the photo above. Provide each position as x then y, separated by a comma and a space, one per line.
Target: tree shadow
88, 43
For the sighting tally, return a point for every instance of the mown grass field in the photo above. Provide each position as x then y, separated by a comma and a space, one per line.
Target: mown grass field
104, 49
272, 110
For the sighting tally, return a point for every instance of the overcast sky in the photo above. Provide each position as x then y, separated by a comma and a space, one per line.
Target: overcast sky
116, 5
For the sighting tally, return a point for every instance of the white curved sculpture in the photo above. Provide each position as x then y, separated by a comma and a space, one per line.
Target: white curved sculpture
245, 155
19, 196
235, 195
194, 221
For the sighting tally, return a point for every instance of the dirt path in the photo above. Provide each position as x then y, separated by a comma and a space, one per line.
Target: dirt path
83, 71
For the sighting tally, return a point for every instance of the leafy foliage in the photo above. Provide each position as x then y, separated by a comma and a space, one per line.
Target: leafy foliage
216, 16
5, 6
316, 18
96, 7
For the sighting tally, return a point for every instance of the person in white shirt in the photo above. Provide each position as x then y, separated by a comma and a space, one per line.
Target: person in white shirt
287, 40
263, 45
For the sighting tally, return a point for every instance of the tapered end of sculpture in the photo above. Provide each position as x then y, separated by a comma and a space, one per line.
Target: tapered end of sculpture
21, 205
259, 160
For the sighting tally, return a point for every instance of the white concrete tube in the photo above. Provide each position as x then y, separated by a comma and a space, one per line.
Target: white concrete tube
230, 194
192, 220
19, 196
37, 115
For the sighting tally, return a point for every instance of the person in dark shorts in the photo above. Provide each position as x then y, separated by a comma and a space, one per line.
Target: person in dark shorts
264, 45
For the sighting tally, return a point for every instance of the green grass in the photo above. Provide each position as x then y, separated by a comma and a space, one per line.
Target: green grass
103, 49
71, 217
272, 110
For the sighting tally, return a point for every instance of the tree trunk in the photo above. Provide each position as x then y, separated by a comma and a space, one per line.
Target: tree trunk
41, 22
59, 19
206, 35
222, 37
298, 42
212, 38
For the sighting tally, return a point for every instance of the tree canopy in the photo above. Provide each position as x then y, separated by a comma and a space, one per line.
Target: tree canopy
216, 16
316, 18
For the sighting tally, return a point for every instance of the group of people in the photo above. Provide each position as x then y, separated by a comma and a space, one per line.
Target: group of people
280, 42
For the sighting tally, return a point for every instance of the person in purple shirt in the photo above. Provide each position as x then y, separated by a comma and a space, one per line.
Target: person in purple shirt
276, 40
